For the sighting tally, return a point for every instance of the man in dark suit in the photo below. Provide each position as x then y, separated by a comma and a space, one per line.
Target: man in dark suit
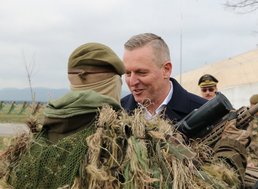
148, 69
147, 73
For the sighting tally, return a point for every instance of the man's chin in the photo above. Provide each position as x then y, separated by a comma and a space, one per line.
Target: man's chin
209, 97
143, 101
138, 99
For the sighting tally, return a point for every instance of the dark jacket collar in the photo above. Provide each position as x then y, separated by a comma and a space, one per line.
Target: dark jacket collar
181, 103
178, 104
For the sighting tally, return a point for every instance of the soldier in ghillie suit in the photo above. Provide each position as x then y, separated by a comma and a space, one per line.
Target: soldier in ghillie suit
253, 148
54, 158
251, 176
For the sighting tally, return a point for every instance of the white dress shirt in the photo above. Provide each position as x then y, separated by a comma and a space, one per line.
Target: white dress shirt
161, 107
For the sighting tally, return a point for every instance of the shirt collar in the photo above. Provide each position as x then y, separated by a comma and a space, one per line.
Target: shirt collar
161, 107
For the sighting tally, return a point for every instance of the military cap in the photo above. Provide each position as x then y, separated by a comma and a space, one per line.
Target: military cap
207, 80
254, 99
92, 55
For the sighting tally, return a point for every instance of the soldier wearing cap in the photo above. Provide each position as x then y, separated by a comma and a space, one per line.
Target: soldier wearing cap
94, 72
208, 85
56, 156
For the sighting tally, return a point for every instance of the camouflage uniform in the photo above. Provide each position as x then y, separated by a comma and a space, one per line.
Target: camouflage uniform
253, 148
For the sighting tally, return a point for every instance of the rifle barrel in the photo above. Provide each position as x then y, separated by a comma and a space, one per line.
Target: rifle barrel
254, 109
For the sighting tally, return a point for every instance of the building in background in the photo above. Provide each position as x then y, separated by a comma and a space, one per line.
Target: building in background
238, 77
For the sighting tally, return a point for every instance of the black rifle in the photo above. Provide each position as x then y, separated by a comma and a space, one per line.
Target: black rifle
207, 123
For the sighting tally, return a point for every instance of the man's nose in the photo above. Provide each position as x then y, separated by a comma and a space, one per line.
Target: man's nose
134, 79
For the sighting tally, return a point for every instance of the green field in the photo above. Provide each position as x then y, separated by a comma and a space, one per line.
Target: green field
19, 113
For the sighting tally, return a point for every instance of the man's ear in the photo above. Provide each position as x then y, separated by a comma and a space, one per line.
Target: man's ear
167, 69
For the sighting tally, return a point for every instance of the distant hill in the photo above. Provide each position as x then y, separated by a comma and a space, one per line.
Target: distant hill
41, 94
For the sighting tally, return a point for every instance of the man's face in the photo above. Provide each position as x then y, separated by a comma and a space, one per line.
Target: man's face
209, 92
145, 79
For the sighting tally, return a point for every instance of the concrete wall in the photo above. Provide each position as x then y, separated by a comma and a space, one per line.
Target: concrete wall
239, 95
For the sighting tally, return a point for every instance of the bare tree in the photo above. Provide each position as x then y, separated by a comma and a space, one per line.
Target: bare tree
29, 71
244, 6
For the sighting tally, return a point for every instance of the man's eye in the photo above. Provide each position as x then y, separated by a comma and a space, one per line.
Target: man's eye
128, 74
142, 73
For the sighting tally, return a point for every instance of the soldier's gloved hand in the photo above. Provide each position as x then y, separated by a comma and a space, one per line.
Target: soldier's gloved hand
230, 131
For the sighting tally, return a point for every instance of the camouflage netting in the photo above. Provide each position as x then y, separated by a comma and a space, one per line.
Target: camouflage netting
48, 166
123, 152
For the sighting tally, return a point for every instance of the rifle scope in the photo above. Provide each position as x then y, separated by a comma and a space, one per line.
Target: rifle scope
200, 121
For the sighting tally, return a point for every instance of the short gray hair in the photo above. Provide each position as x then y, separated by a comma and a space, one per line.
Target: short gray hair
159, 46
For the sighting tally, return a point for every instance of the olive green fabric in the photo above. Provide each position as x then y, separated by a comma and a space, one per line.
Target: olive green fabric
58, 128
77, 103
95, 54
70, 113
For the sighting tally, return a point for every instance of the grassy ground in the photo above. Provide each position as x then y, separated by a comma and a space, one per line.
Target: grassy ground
18, 114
